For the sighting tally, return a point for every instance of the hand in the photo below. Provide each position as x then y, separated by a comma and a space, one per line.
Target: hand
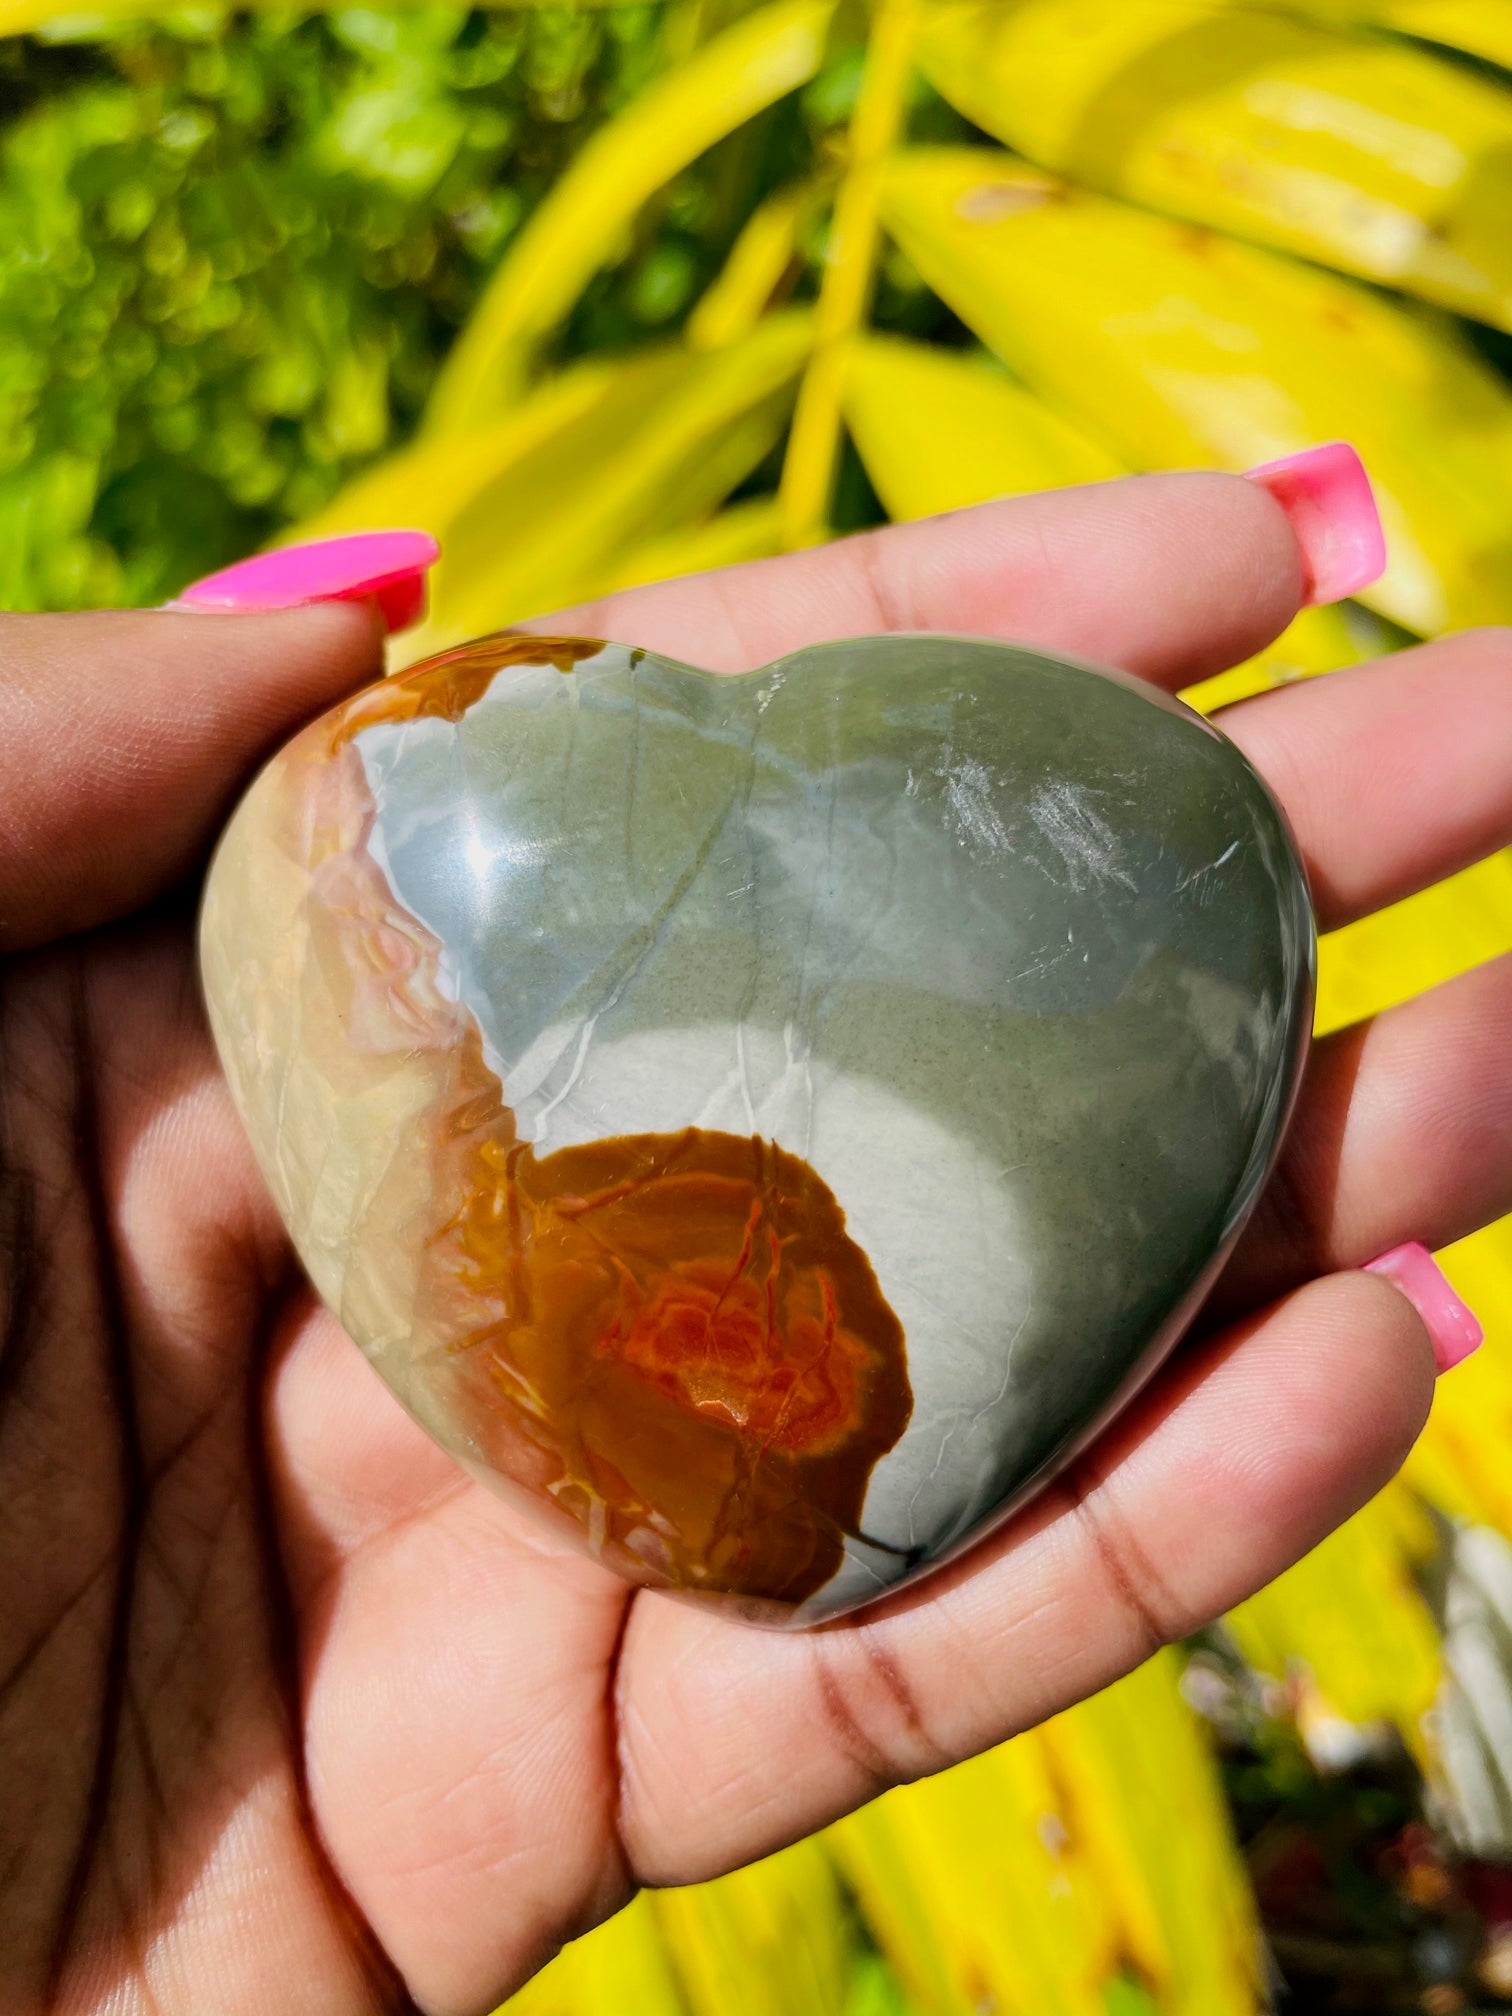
294, 1714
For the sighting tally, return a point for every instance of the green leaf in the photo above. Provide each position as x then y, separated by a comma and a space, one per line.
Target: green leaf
576, 229
1368, 155
1182, 348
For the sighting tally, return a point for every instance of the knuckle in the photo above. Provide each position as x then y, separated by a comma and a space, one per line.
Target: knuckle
871, 1710
1149, 1610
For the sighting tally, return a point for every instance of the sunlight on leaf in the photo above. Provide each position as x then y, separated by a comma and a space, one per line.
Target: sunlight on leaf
937, 429
1182, 348
1377, 158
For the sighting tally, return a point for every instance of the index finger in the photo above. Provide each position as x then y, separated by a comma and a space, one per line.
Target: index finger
1172, 577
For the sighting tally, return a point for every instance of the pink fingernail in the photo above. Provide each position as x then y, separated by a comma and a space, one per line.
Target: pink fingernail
1450, 1323
387, 568
1327, 496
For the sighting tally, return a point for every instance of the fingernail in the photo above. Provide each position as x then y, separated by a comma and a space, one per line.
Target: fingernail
1450, 1323
386, 568
1327, 496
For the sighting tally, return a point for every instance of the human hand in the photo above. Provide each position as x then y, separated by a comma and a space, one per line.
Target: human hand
294, 1713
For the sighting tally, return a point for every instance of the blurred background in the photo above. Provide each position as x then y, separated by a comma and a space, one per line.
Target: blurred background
600, 294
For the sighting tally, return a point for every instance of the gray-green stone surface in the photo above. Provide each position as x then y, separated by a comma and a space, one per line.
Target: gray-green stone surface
1017, 954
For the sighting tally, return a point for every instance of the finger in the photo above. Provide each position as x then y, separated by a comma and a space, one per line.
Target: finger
455, 1673
1239, 1460
1393, 775
125, 737
1403, 1132
1171, 576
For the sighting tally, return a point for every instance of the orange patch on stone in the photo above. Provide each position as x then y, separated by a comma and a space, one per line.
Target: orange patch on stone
686, 1325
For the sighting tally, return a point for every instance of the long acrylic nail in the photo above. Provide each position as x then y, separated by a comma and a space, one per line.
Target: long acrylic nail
1326, 494
1450, 1323
385, 568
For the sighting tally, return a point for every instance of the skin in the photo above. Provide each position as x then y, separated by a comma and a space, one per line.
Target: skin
295, 1717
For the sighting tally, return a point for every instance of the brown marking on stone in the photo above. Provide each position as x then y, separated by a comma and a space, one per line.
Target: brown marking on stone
683, 1323
448, 684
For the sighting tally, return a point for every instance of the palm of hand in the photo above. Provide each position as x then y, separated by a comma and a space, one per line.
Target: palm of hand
295, 1713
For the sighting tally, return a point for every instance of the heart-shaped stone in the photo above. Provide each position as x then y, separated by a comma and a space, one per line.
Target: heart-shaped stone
768, 1123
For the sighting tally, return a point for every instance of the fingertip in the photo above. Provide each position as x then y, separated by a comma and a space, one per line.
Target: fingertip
1215, 575
1385, 1355
278, 666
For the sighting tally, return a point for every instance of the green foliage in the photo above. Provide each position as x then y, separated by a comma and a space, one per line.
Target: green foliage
232, 251
235, 249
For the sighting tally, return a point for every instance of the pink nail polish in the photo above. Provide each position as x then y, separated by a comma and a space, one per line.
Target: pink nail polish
1326, 494
384, 567
1451, 1325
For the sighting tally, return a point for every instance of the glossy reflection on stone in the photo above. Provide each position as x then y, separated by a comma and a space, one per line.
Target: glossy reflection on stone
766, 1123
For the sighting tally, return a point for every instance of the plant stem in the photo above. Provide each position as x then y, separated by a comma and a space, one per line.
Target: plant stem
808, 471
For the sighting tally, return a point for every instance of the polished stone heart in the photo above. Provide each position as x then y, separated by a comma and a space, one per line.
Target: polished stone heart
766, 1123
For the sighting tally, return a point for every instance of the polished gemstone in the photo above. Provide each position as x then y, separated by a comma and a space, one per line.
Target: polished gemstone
766, 1124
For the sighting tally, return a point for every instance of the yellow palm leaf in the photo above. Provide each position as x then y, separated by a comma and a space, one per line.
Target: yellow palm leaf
750, 531
1371, 156
1029, 1879
1460, 1465
432, 482
1351, 1613
621, 1966
937, 429
1416, 944
967, 1885
576, 228
1129, 1759
1179, 347
1483, 27
760, 256
557, 531
778, 1929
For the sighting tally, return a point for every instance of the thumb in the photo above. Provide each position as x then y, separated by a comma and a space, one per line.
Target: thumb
125, 737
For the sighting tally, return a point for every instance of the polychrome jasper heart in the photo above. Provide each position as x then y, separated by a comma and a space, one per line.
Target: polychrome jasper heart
769, 1122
